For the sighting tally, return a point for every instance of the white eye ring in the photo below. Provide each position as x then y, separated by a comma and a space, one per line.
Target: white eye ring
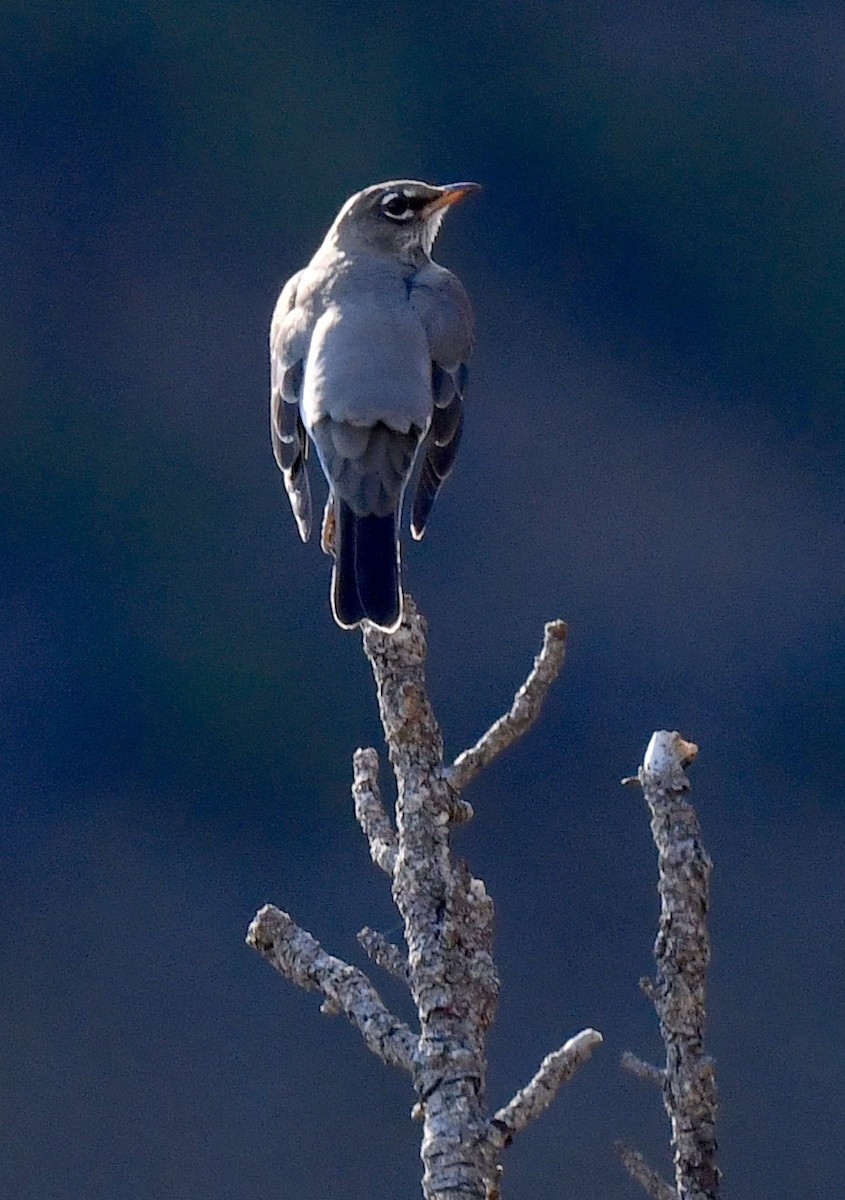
388, 198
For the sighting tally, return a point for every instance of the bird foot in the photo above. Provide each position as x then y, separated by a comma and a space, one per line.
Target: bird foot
327, 533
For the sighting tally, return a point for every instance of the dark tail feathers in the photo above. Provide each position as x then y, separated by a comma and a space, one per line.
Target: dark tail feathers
365, 580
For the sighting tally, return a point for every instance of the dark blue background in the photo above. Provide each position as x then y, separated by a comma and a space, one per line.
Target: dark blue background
654, 451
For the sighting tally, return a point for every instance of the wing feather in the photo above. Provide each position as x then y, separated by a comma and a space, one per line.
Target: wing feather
445, 311
287, 432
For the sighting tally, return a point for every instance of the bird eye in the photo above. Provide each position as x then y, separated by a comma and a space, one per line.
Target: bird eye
396, 206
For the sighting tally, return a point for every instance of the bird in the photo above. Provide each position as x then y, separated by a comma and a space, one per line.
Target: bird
369, 345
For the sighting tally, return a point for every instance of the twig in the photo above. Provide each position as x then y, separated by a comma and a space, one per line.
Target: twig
646, 986
369, 810
556, 1069
643, 1174
301, 959
384, 954
646, 1071
523, 712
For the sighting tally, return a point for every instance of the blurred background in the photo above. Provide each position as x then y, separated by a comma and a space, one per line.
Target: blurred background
654, 451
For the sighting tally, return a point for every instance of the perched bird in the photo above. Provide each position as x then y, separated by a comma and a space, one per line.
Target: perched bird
368, 352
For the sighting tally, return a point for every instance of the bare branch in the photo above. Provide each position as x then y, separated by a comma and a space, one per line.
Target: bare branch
555, 1070
301, 959
384, 954
682, 952
523, 712
369, 810
639, 1170
646, 986
448, 923
646, 1071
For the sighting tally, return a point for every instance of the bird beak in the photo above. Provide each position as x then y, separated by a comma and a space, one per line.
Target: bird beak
450, 193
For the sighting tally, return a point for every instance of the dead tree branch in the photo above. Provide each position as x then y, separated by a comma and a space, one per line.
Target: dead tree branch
646, 1071
369, 810
682, 952
653, 1183
555, 1069
448, 921
384, 954
300, 957
523, 712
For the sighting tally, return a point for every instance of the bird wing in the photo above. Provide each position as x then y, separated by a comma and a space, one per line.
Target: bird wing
289, 338
445, 311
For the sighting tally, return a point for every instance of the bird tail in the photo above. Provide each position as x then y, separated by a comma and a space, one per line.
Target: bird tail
365, 580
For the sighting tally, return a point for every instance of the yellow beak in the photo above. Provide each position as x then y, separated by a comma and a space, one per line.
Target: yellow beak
450, 193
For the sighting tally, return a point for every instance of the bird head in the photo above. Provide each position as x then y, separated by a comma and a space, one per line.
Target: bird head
401, 217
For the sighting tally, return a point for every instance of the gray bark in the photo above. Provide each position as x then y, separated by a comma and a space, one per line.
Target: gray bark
448, 922
682, 952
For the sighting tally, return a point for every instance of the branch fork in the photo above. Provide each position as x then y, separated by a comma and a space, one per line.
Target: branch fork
448, 921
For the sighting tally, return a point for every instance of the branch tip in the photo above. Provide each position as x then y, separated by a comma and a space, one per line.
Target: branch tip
369, 810
529, 1102
650, 1180
524, 711
647, 987
384, 954
646, 1071
302, 960
667, 751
